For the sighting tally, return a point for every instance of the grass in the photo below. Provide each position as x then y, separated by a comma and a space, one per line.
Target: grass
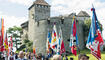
87, 52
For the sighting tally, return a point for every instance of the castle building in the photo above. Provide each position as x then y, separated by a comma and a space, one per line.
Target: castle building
36, 28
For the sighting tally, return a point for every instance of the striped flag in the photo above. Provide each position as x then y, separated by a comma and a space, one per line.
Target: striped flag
61, 47
54, 39
34, 50
2, 35
11, 44
6, 42
48, 43
73, 38
95, 39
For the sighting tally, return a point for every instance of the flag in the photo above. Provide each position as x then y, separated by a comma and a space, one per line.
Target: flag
95, 39
6, 42
2, 35
48, 43
9, 49
73, 38
54, 39
34, 50
61, 48
11, 44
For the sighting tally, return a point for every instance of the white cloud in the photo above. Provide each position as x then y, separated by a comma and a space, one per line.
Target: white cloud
10, 21
69, 6
59, 7
23, 2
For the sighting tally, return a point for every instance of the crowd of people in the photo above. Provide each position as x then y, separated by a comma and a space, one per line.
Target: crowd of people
30, 56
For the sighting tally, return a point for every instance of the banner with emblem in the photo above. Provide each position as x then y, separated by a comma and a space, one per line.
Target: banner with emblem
54, 38
95, 39
73, 38
48, 43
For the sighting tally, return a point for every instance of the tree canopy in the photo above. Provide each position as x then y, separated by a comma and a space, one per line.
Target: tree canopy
15, 33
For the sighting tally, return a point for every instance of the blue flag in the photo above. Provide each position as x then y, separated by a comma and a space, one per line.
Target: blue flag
73, 38
94, 39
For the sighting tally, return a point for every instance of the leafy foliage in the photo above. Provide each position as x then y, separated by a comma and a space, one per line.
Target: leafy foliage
15, 33
27, 44
86, 26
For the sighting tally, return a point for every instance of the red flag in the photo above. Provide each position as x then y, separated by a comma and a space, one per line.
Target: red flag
74, 50
34, 51
2, 35
61, 43
94, 39
6, 42
62, 50
73, 38
11, 45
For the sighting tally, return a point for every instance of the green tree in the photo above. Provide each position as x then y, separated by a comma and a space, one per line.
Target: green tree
27, 44
15, 33
86, 26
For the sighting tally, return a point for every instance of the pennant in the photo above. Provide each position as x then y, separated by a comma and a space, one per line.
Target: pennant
95, 39
73, 38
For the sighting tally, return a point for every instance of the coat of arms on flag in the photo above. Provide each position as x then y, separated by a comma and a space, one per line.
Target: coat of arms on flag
73, 38
94, 39
48, 43
54, 39
60, 46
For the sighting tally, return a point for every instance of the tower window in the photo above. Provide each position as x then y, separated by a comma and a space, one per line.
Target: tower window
37, 23
42, 6
32, 16
46, 6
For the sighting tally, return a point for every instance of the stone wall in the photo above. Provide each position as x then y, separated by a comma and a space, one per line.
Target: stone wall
24, 34
40, 33
31, 24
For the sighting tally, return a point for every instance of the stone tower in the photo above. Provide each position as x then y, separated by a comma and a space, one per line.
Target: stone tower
40, 21
39, 11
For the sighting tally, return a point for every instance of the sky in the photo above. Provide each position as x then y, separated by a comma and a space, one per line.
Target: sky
15, 12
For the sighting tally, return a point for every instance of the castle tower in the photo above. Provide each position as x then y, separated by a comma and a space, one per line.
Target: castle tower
39, 12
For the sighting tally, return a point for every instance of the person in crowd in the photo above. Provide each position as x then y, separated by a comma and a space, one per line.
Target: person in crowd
57, 57
87, 57
21, 56
11, 57
83, 57
61, 57
71, 58
49, 53
46, 58
65, 57
2, 56
39, 56
43, 57
16, 55
26, 56
29, 55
